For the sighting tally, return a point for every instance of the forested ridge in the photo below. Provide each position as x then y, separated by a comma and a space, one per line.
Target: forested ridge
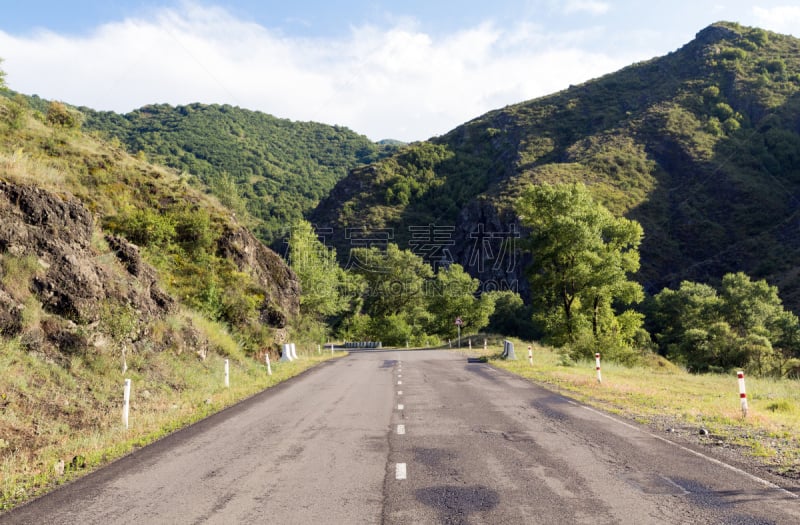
272, 169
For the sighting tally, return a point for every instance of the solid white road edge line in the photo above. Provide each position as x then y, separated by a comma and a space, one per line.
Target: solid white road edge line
694, 452
400, 471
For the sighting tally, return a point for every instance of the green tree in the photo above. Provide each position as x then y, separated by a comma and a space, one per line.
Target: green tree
512, 316
451, 294
582, 257
316, 267
742, 325
675, 312
394, 279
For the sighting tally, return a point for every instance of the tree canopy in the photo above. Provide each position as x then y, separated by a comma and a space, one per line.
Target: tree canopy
582, 257
741, 325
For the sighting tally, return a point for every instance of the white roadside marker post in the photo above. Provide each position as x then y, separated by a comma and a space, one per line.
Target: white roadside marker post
742, 393
484, 344
530, 354
126, 403
597, 365
319, 349
227, 374
470, 344
331, 348
269, 366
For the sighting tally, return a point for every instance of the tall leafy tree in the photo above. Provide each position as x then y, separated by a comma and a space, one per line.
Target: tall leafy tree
395, 279
320, 276
451, 294
582, 256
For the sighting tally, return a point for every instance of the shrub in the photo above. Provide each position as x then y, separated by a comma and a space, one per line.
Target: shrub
58, 115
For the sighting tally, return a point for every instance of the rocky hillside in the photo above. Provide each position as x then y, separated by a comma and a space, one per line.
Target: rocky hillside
97, 248
701, 146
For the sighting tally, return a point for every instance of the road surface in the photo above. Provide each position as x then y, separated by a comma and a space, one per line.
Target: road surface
414, 437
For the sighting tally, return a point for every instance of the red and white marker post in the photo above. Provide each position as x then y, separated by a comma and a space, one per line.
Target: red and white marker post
597, 366
742, 393
530, 354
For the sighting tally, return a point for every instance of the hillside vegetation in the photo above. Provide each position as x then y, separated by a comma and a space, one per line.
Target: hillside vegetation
111, 267
273, 169
701, 147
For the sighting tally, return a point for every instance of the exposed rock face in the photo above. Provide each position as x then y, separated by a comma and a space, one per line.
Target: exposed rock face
72, 283
148, 295
10, 315
270, 271
487, 245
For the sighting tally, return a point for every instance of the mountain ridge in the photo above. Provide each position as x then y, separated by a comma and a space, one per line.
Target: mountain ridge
697, 145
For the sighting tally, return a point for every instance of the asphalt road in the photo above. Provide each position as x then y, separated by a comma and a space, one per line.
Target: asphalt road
414, 437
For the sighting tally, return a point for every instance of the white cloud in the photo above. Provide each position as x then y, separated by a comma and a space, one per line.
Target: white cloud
398, 83
586, 6
781, 19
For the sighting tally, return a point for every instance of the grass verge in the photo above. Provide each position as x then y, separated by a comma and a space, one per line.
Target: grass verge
669, 399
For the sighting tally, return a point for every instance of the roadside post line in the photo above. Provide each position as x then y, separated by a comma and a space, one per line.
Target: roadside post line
530, 354
484, 343
319, 349
742, 393
126, 402
269, 366
331, 348
470, 344
227, 374
597, 366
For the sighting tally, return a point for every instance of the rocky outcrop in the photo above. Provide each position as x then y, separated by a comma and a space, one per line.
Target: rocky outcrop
72, 280
10, 315
148, 296
278, 281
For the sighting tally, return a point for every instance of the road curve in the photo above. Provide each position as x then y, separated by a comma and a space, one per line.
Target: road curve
414, 437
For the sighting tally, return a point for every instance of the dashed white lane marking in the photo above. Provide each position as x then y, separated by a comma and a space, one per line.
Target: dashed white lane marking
399, 392
400, 407
399, 382
399, 375
694, 452
401, 429
400, 471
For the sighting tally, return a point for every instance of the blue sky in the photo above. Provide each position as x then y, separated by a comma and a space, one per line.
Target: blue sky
406, 70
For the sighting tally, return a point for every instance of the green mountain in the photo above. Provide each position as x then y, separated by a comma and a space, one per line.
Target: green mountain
273, 168
701, 146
